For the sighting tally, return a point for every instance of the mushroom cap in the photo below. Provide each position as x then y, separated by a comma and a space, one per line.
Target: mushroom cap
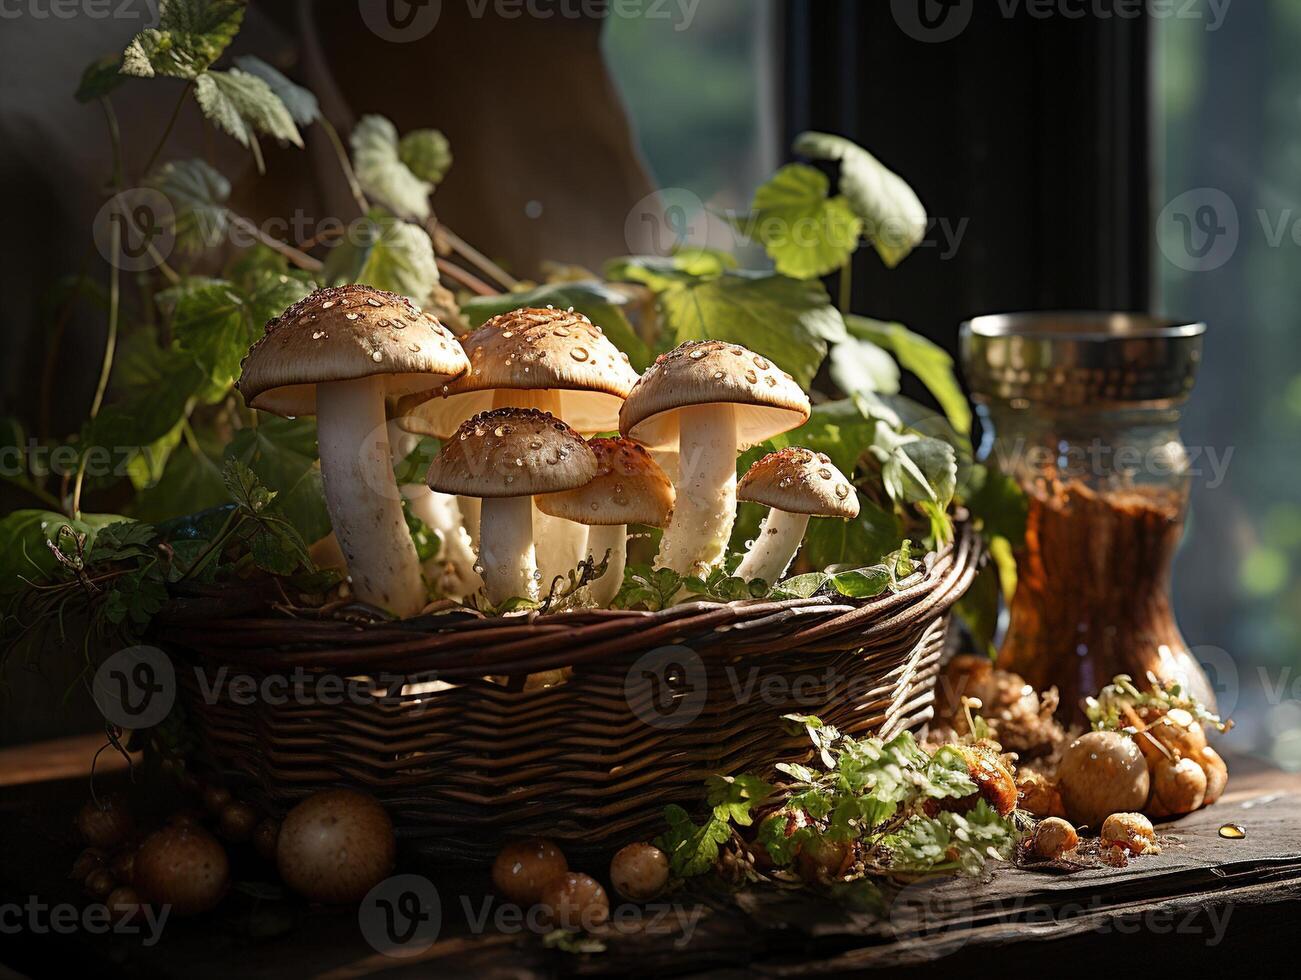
629, 488
799, 481
512, 452
344, 333
532, 349
767, 400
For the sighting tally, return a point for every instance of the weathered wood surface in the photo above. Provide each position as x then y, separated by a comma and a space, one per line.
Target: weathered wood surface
1203, 900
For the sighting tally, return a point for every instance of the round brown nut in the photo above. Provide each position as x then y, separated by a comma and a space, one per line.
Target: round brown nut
1101, 773
575, 901
523, 868
639, 871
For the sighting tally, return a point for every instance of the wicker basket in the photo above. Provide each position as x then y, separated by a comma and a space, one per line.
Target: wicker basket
465, 756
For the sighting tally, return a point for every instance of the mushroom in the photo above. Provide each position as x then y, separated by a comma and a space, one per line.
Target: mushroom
628, 489
706, 400
337, 355
1054, 837
1132, 831
556, 361
797, 484
1101, 773
505, 457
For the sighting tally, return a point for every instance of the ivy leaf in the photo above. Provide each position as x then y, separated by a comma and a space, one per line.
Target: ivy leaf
591, 297
786, 320
894, 220
861, 366
735, 797
191, 482
190, 36
927, 360
123, 541
805, 232
388, 254
245, 488
281, 454
875, 532
100, 78
692, 849
243, 105
382, 173
837, 428
427, 153
197, 194
782, 835
152, 392
276, 546
301, 103
653, 589
978, 609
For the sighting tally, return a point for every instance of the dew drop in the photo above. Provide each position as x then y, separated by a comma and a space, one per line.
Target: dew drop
508, 334
327, 304
373, 302
377, 356
350, 316
697, 354
824, 473
1233, 831
751, 377
579, 354
318, 334
842, 491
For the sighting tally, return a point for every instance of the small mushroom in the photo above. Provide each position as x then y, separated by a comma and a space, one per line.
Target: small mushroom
575, 901
628, 489
505, 457
1132, 831
1217, 774
556, 361
523, 868
797, 484
1178, 787
706, 400
1101, 773
338, 354
1054, 837
639, 872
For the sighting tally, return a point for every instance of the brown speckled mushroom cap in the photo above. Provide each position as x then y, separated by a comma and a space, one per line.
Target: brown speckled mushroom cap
532, 349
511, 452
344, 333
767, 401
799, 481
629, 488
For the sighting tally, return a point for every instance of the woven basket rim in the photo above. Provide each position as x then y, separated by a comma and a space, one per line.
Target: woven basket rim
230, 625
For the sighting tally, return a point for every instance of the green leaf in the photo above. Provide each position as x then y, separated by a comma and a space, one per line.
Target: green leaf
151, 393
190, 36
282, 454
805, 232
999, 503
801, 586
735, 797
785, 320
302, 104
837, 428
427, 154
244, 487
861, 366
652, 589
388, 254
978, 609
191, 482
197, 194
243, 105
862, 583
927, 360
864, 540
594, 299
894, 220
823, 736
781, 836
691, 849
24, 543
382, 174
663, 272
100, 78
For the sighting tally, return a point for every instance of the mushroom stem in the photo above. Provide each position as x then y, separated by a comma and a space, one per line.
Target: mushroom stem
507, 560
362, 496
600, 539
780, 536
470, 508
452, 569
696, 538
560, 544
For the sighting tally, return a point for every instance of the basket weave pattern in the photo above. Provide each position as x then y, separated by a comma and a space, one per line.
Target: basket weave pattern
468, 762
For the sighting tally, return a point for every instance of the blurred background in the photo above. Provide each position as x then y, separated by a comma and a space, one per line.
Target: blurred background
1077, 155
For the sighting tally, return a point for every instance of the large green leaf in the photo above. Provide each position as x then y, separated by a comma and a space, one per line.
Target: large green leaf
924, 358
282, 454
859, 366
100, 78
894, 220
190, 36
300, 102
197, 194
217, 322
151, 393
805, 232
594, 299
24, 548
837, 428
865, 540
387, 253
789, 321
663, 272
243, 105
383, 174
190, 483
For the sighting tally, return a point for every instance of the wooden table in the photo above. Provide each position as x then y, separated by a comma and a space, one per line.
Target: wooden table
1203, 901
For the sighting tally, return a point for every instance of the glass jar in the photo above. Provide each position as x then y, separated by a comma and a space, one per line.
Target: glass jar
1082, 409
